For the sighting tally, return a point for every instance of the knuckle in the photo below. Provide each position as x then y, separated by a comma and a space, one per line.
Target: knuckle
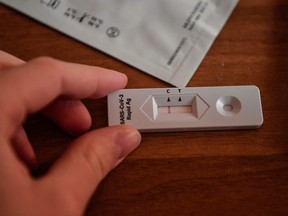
45, 60
98, 158
54, 65
95, 163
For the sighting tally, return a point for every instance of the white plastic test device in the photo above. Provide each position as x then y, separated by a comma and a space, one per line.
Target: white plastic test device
186, 109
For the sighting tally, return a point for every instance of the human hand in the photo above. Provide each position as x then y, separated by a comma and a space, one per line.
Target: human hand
54, 88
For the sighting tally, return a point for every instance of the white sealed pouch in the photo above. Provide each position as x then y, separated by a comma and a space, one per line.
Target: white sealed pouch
164, 38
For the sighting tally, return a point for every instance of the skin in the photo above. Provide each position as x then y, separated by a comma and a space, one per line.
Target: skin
55, 88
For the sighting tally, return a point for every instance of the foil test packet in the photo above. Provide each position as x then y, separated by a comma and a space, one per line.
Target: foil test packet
164, 38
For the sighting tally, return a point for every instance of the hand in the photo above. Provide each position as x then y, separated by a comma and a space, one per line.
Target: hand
54, 88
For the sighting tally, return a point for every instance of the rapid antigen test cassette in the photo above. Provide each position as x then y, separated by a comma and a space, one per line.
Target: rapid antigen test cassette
186, 109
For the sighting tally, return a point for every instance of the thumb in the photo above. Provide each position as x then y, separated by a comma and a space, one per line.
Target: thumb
88, 160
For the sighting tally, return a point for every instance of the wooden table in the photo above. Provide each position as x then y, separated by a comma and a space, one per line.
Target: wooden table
243, 172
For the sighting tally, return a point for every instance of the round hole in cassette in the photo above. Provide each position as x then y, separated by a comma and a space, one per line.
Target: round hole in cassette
228, 106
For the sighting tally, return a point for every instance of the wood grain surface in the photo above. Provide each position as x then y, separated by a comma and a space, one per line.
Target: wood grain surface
242, 172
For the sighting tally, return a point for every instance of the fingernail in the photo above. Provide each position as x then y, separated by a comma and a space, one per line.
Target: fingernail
128, 140
116, 76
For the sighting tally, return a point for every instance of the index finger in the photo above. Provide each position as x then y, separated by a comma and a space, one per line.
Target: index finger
30, 87
8, 61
